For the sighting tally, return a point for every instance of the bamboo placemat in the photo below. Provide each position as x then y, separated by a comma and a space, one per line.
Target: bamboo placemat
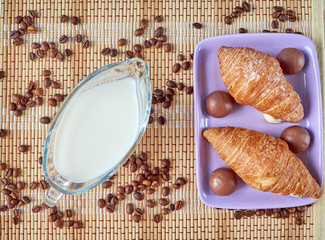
104, 22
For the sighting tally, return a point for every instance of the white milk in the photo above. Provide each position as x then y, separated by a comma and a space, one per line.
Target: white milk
97, 131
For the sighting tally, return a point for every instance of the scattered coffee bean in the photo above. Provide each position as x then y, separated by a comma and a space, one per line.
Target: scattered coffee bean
163, 38
228, 20
64, 18
110, 208
147, 44
137, 48
12, 106
23, 148
17, 113
70, 223
3, 166
43, 184
101, 203
23, 25
290, 13
36, 209
107, 184
292, 18
52, 102
15, 220
58, 223
18, 19
239, 9
278, 9
138, 196
276, 14
75, 20
158, 32
282, 18
16, 212
20, 185
159, 44
79, 38
238, 214
157, 218
113, 52
138, 32
105, 51
168, 47
77, 225
234, 14
4, 181
242, 30
33, 185
3, 133
138, 211
133, 167
181, 181
275, 24
136, 218
150, 203
46, 73
16, 172
176, 67
158, 19
299, 221
289, 30
249, 213
86, 44
143, 23
18, 42
166, 163
153, 41
5, 191
26, 199
14, 34
163, 201
35, 45
67, 52
129, 208
45, 46
32, 56
121, 42
186, 65
161, 120
39, 101
52, 45
45, 120
40, 53
197, 25
246, 6
165, 211
189, 90
53, 53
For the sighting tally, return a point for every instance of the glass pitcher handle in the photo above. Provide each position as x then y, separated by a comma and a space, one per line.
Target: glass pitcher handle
52, 197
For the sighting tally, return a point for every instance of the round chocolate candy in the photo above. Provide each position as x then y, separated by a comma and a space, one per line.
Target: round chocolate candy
297, 138
223, 181
291, 60
219, 104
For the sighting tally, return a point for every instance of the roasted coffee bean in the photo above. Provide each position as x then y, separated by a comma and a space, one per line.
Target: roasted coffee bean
179, 205
164, 170
299, 33
77, 225
75, 20
268, 212
29, 94
107, 184
16, 172
140, 177
165, 191
163, 201
228, 20
289, 30
165, 211
18, 41
32, 13
276, 14
110, 208
181, 181
18, 19
291, 210
128, 189
246, 6
150, 203
45, 120
158, 19
168, 47
143, 23
53, 53
249, 213
176, 186
284, 213
31, 29
147, 44
21, 107
101, 203
79, 38
176, 67
64, 18
266, 31
36, 209
52, 102
86, 44
40, 53
67, 52
138, 211
14, 202
135, 183
158, 32
5, 191
166, 105
21, 31
53, 210
15, 220
23, 148
113, 52
299, 221
14, 34
277, 215
52, 45
161, 99
147, 183
239, 9
282, 18
161, 120
3, 133
16, 212
153, 41
197, 25
159, 44
105, 51
165, 163
4, 181
12, 106
278, 9
150, 191
157, 218
43, 184
63, 39
158, 92
137, 48
39, 101
3, 166
58, 223
172, 207
70, 223
9, 172
136, 218
68, 213
133, 167
186, 65
170, 91
138, 32
276, 210
113, 201
31, 87
26, 199
46, 72
138, 196
45, 46
23, 25
155, 171
242, 30
35, 45
297, 214
121, 189
33, 185
17, 97
154, 100
129, 54
189, 90
129, 208
180, 57
24, 100
275, 24
290, 13
163, 38
20, 185
292, 18
55, 85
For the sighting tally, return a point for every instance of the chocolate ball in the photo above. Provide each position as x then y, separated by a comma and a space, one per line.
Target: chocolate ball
297, 138
291, 60
219, 104
223, 181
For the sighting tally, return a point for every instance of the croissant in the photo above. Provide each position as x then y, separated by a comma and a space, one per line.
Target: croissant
263, 162
256, 79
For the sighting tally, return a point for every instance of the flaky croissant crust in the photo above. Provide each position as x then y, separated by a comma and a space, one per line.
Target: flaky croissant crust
255, 78
263, 162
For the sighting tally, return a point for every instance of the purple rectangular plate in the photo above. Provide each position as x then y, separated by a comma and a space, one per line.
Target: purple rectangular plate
207, 79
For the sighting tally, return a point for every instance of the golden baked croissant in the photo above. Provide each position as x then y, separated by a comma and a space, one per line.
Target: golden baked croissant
263, 162
255, 78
